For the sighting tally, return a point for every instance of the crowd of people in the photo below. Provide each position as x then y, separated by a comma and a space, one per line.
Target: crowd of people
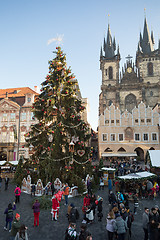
118, 222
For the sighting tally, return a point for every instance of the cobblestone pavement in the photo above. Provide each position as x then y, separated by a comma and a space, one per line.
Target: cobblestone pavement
51, 230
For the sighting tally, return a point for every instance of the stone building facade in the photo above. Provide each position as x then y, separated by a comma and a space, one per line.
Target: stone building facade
125, 134
126, 90
137, 82
16, 118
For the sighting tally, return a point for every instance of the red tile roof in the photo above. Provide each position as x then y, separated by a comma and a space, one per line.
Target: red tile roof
16, 92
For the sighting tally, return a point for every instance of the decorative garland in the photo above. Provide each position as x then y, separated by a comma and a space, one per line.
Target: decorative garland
61, 159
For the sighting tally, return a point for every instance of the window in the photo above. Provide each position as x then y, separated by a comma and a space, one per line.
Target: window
4, 136
112, 121
23, 116
11, 136
107, 121
154, 136
4, 118
137, 137
120, 136
13, 116
110, 73
29, 99
113, 137
136, 120
145, 136
117, 121
150, 68
151, 93
142, 120
104, 137
106, 72
148, 120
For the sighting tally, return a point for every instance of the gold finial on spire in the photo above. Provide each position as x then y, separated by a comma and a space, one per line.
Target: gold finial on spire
144, 12
108, 18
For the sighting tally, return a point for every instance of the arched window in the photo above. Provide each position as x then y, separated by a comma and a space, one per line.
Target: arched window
130, 102
110, 73
150, 68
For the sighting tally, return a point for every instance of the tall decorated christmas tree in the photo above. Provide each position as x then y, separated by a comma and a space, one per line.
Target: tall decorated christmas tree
60, 138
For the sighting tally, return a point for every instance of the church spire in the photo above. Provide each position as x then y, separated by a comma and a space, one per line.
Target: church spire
110, 45
146, 42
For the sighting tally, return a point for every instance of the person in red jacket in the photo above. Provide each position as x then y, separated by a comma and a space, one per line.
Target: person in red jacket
17, 192
55, 205
86, 201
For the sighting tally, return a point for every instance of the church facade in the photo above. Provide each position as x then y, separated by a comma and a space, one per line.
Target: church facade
136, 83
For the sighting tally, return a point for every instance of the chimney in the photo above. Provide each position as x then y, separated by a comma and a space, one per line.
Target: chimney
36, 89
6, 94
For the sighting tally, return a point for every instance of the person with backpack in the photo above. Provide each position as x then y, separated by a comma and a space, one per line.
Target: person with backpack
71, 233
9, 215
74, 214
17, 192
6, 180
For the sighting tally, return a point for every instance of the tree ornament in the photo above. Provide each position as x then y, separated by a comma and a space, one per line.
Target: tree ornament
81, 152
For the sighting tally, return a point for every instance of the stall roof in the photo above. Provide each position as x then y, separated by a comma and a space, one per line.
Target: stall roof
119, 154
2, 163
154, 157
137, 175
11, 162
108, 169
14, 162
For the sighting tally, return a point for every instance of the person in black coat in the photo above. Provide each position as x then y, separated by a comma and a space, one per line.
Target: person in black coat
74, 214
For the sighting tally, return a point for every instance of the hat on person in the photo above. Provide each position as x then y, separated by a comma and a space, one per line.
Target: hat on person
72, 205
156, 206
17, 215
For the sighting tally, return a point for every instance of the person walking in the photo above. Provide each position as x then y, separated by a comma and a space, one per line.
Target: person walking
22, 233
9, 215
15, 227
109, 185
109, 226
71, 233
83, 232
145, 221
55, 204
36, 211
74, 214
101, 184
33, 190
120, 227
17, 192
6, 180
66, 193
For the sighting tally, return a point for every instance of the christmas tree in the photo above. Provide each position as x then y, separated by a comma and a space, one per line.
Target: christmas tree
60, 138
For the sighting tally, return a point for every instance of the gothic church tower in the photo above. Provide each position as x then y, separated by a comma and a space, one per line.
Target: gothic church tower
109, 65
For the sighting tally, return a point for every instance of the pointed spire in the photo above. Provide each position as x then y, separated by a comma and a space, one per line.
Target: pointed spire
101, 53
140, 40
152, 37
114, 44
147, 45
138, 47
109, 37
104, 45
159, 44
118, 53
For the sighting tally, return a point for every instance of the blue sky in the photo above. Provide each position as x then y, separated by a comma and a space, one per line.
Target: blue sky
27, 25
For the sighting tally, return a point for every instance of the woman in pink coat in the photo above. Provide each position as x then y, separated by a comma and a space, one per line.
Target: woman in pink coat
17, 192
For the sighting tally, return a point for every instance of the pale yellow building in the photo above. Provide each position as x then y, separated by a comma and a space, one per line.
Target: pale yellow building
125, 134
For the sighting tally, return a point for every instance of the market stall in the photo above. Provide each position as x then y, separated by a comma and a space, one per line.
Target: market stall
133, 182
153, 159
8, 168
108, 173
